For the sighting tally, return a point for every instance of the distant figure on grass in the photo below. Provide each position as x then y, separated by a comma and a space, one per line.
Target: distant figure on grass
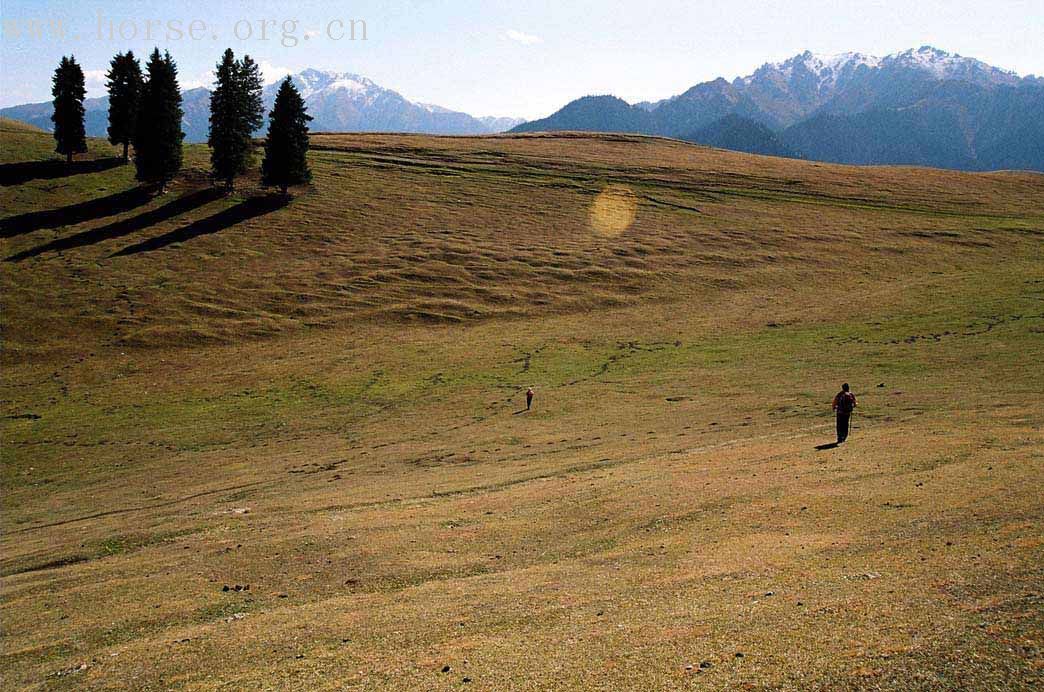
844, 402
529, 398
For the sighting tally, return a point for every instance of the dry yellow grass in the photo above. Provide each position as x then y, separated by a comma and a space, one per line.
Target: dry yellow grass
320, 402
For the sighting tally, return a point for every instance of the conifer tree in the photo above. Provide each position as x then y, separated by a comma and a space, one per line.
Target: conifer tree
254, 110
125, 84
158, 135
222, 137
250, 74
287, 144
235, 113
68, 91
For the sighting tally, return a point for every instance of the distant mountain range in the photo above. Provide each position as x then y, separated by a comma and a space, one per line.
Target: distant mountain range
921, 106
351, 103
337, 102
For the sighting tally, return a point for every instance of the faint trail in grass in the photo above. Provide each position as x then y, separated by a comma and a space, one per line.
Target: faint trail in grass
603, 463
591, 466
141, 508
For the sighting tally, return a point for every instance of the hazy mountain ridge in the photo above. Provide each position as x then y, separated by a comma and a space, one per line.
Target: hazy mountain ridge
743, 134
951, 111
337, 102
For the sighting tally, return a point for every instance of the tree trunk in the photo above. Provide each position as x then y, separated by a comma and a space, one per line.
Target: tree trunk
126, 158
68, 157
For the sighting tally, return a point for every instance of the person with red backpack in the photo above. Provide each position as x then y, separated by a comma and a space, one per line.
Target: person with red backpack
844, 403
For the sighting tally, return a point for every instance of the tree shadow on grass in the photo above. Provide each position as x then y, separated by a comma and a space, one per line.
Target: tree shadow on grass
74, 213
24, 171
244, 211
117, 229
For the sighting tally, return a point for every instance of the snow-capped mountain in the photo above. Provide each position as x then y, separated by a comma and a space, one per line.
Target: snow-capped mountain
833, 72
346, 102
828, 71
942, 65
311, 81
922, 105
791, 90
337, 102
783, 93
788, 91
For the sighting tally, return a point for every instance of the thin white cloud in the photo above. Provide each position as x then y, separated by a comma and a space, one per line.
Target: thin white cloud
273, 73
522, 37
94, 77
94, 81
203, 79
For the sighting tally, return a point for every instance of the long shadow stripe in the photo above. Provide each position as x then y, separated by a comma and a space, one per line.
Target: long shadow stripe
181, 205
244, 211
74, 213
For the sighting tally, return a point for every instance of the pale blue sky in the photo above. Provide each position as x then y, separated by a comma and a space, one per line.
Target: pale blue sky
514, 58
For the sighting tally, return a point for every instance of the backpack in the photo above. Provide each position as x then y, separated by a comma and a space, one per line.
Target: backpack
846, 402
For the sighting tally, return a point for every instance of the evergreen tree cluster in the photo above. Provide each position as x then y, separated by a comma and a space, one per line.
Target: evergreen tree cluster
235, 113
145, 113
157, 134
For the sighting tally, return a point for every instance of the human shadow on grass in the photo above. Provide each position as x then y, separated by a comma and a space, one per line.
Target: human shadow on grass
828, 445
244, 211
74, 213
523, 410
117, 229
24, 171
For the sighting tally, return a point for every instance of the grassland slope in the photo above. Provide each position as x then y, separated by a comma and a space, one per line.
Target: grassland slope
321, 400
409, 228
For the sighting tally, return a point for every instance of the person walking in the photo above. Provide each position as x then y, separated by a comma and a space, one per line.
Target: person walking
529, 398
844, 403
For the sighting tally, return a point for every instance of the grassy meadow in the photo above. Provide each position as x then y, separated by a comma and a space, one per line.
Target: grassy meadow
251, 443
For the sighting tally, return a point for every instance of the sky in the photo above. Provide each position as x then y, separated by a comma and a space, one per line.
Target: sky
514, 58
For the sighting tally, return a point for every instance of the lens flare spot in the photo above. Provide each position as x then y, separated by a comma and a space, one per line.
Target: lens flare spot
613, 210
